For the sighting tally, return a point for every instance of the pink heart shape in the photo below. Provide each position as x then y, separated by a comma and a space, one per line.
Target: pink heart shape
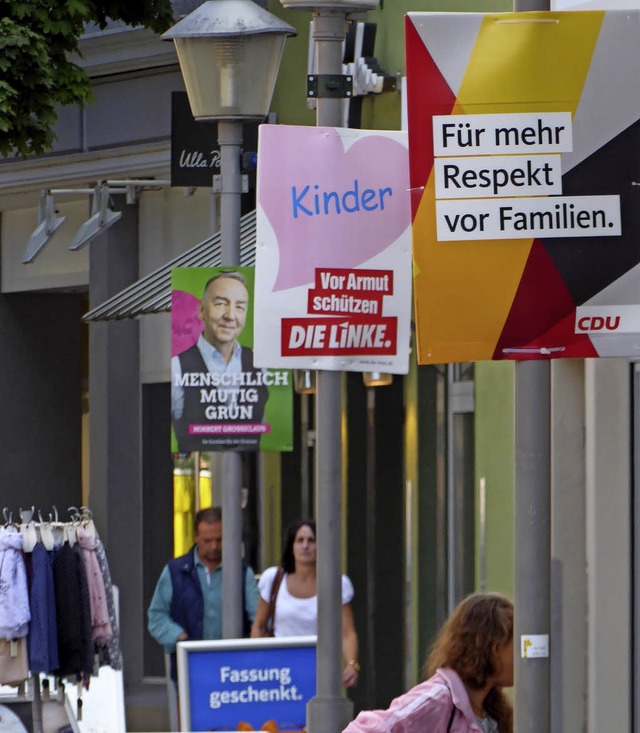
292, 158
186, 327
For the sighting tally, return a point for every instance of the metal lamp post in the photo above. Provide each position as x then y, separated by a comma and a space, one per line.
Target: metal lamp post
229, 53
329, 711
532, 526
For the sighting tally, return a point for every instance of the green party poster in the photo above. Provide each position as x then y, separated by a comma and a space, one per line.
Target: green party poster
219, 400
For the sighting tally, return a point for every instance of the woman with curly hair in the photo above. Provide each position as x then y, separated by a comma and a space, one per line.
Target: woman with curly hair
469, 664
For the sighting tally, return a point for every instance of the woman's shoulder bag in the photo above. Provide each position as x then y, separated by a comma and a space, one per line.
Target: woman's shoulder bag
275, 587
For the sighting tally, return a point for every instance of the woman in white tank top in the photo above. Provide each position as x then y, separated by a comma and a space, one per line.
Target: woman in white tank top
296, 602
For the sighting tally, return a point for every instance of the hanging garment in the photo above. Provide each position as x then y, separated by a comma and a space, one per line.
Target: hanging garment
43, 635
73, 613
109, 653
14, 669
14, 597
101, 631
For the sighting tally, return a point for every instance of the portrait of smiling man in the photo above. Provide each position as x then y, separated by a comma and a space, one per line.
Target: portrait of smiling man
214, 381
223, 310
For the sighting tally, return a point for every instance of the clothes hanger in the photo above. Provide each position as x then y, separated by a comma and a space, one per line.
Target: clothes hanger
71, 528
26, 515
28, 529
8, 519
46, 532
57, 526
87, 521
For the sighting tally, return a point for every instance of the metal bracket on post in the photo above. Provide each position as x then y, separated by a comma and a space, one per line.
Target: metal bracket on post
239, 185
329, 86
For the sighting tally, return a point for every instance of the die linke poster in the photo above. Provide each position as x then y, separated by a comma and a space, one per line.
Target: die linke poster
333, 258
524, 138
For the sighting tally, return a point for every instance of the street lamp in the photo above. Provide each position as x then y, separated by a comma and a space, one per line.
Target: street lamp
377, 379
229, 53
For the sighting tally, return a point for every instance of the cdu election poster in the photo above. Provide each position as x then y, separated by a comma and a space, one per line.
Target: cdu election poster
219, 399
333, 258
524, 139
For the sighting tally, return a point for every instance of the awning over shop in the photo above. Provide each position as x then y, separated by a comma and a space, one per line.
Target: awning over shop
152, 293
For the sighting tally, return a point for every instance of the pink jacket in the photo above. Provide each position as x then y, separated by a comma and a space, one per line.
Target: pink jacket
426, 708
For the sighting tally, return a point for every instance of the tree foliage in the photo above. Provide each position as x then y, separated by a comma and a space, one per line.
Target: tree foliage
37, 39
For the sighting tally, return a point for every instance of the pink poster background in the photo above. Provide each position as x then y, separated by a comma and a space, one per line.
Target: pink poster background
300, 231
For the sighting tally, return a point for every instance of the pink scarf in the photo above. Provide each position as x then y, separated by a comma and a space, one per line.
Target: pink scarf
101, 631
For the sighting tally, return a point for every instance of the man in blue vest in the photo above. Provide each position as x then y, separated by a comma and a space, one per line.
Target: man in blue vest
214, 381
187, 601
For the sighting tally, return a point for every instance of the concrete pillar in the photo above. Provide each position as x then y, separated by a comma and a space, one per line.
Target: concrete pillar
115, 466
608, 511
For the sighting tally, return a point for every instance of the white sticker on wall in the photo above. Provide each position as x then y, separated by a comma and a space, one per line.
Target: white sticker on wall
534, 646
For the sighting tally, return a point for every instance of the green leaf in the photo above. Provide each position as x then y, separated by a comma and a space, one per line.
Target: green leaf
36, 39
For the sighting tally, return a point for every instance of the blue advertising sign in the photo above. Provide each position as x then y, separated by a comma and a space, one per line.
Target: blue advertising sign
234, 683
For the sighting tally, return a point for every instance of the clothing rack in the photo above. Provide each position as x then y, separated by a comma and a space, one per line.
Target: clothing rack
99, 630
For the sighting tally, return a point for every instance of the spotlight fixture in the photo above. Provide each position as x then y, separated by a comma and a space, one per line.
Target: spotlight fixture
102, 217
377, 379
48, 225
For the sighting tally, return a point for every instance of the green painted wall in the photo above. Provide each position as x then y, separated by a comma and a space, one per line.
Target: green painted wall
390, 33
380, 111
290, 96
494, 426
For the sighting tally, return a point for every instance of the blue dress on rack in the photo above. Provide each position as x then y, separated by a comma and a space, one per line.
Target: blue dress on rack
43, 641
